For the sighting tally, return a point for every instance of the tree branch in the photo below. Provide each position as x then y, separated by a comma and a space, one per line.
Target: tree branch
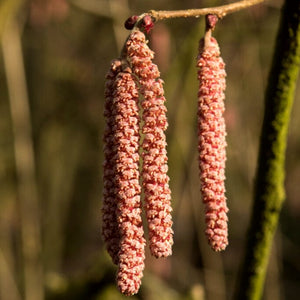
269, 184
220, 11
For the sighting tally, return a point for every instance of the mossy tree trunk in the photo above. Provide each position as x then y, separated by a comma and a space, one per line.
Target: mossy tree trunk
269, 191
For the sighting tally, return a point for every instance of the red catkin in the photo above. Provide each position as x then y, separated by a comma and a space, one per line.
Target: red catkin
211, 137
154, 172
131, 253
110, 230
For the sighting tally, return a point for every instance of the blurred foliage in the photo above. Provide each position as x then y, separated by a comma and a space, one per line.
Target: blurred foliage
67, 49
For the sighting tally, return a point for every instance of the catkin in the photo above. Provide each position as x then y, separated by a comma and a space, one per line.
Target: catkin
211, 138
130, 79
154, 171
132, 243
110, 230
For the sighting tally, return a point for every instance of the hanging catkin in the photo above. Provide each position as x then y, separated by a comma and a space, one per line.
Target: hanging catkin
132, 242
122, 226
211, 138
154, 172
110, 230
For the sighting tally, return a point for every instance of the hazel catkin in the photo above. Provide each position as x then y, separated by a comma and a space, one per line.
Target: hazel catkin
131, 253
110, 231
154, 171
211, 138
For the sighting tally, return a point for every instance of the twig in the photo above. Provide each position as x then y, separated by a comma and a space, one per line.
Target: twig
220, 11
102, 9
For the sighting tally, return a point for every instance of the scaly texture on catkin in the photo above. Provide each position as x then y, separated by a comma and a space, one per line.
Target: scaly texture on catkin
154, 171
110, 230
131, 253
212, 144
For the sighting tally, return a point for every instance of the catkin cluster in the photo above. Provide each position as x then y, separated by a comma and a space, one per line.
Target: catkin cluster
129, 79
134, 95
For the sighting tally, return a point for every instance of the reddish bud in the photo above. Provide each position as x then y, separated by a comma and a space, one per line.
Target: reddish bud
130, 22
211, 21
147, 23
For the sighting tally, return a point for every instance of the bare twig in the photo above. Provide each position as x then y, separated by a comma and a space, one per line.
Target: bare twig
220, 11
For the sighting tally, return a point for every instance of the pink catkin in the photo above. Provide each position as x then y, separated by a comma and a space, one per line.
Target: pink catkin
212, 144
131, 253
110, 230
154, 172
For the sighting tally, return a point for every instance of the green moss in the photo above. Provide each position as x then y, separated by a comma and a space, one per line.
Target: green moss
269, 184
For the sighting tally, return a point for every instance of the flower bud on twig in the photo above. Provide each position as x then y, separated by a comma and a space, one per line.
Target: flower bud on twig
130, 22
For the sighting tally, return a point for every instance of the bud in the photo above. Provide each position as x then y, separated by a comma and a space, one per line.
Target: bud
211, 21
211, 137
147, 23
130, 22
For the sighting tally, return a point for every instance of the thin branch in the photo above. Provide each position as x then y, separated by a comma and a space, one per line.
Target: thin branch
220, 11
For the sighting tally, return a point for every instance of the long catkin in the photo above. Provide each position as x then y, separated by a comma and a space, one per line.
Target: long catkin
110, 231
131, 253
154, 171
212, 144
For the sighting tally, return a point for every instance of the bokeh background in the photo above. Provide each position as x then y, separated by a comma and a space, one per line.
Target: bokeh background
54, 57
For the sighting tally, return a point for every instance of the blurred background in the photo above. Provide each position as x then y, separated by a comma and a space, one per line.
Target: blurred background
54, 57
